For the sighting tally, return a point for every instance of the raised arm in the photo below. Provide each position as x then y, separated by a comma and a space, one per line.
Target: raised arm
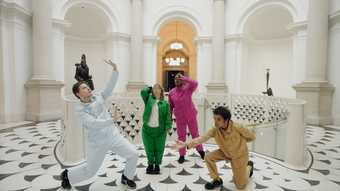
110, 85
112, 82
145, 93
190, 84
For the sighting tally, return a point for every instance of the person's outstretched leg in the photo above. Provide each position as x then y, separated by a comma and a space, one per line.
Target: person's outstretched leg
210, 159
125, 149
193, 128
181, 126
94, 158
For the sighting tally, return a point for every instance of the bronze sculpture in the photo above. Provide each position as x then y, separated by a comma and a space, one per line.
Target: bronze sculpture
269, 90
82, 72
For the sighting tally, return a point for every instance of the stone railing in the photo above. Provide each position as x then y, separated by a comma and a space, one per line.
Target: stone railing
279, 121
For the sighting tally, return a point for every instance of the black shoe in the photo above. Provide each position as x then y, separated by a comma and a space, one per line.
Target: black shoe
214, 184
251, 164
181, 160
130, 183
149, 169
156, 170
202, 154
65, 183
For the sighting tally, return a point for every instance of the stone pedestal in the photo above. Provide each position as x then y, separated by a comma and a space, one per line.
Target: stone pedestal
318, 95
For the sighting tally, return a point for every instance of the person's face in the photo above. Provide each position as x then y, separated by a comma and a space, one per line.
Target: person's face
220, 122
84, 91
157, 91
178, 81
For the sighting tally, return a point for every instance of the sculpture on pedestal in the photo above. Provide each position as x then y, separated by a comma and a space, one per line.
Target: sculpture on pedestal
82, 72
269, 90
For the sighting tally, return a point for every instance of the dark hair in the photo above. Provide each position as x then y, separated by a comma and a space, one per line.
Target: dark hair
223, 112
75, 88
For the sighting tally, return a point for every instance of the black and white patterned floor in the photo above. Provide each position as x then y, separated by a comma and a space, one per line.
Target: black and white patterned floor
27, 163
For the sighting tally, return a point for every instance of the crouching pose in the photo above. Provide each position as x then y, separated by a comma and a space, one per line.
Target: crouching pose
102, 135
231, 139
156, 123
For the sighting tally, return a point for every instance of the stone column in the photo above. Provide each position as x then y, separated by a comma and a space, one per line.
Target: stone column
43, 92
234, 49
315, 89
150, 59
136, 80
217, 83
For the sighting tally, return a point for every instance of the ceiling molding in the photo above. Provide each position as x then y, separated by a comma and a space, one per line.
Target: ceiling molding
10, 10
203, 39
297, 26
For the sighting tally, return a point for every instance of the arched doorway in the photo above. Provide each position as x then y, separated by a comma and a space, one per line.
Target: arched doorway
268, 45
88, 33
176, 53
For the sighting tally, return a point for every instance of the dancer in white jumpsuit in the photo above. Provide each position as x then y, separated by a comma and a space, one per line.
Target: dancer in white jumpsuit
102, 135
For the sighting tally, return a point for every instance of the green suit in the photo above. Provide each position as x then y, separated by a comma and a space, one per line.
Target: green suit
154, 138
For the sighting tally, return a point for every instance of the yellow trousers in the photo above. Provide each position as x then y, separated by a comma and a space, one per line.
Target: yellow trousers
239, 167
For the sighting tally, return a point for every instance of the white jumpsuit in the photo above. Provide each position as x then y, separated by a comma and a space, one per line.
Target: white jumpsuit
102, 135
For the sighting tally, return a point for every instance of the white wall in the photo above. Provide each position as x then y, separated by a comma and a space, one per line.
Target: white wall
333, 70
26, 4
236, 10
273, 54
334, 6
16, 64
204, 65
156, 10
95, 53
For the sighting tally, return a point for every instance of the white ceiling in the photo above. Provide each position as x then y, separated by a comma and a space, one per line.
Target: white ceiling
87, 21
268, 23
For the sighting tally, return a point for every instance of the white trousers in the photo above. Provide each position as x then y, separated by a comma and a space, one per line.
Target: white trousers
96, 154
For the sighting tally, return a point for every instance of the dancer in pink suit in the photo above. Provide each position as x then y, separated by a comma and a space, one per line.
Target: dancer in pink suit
181, 105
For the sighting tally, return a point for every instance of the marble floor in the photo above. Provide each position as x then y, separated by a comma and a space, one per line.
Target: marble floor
27, 162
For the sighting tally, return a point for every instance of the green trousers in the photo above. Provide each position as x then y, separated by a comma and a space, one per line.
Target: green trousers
154, 143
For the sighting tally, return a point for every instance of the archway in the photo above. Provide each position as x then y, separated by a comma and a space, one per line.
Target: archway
176, 52
90, 27
268, 45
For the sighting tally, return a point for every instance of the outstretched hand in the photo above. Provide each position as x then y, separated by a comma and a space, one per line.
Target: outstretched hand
177, 145
109, 62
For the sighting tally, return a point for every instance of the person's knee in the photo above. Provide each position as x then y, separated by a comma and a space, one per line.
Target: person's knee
207, 157
240, 186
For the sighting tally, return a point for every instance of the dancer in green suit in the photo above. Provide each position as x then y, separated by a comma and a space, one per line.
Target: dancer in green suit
156, 123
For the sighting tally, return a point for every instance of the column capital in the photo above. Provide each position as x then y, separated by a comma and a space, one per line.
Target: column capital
117, 36
136, 0
297, 26
13, 9
61, 23
233, 37
151, 39
203, 39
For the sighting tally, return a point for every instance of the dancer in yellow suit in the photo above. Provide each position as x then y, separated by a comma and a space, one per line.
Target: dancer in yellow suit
232, 140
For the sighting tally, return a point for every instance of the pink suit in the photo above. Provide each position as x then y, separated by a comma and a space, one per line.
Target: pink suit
181, 105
